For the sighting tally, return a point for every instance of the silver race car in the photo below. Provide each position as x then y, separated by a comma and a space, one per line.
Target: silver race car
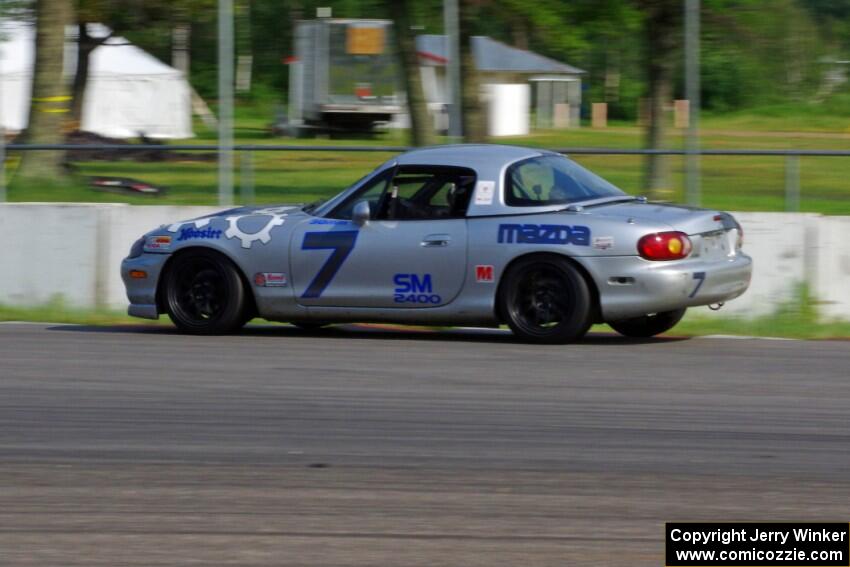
454, 235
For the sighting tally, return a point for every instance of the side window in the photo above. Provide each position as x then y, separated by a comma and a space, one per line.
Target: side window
429, 192
553, 180
409, 185
532, 180
372, 192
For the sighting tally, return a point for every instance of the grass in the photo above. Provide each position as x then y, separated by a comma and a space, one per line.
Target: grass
57, 311
739, 183
830, 115
796, 319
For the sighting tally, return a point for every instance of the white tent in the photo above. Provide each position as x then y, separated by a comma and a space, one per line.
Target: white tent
129, 92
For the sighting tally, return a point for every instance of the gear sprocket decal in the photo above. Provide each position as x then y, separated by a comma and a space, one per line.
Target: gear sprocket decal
264, 235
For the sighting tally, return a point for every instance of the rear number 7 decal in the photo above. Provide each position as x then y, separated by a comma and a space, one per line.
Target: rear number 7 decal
342, 243
700, 277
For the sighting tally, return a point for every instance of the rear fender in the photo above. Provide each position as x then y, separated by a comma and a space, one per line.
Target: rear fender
591, 284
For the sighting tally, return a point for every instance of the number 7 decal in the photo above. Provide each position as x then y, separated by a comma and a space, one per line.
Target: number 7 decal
342, 243
700, 277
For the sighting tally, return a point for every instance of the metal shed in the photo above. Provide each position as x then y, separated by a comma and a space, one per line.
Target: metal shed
556, 85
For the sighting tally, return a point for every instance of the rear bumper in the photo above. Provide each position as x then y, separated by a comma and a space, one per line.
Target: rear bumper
630, 286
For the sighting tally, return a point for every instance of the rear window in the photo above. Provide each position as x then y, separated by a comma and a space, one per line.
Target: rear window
553, 180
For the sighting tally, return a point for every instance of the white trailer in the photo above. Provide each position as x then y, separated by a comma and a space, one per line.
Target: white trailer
344, 76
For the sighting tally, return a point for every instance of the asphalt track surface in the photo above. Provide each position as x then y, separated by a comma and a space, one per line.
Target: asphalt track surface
139, 446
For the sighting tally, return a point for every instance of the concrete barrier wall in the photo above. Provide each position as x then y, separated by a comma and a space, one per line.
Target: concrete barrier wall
783, 248
75, 251
49, 250
830, 276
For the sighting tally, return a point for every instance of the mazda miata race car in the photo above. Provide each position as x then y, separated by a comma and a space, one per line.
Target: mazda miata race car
477, 235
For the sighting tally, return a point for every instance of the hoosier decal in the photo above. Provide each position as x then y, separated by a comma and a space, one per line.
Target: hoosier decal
191, 233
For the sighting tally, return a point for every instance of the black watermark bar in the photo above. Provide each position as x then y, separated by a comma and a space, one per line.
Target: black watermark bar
762, 544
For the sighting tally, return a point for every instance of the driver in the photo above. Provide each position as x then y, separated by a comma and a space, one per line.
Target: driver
558, 194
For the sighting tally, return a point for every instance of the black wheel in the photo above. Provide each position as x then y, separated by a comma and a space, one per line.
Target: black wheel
648, 325
546, 300
204, 294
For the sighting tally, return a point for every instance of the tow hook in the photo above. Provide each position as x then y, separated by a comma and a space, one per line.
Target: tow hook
716, 306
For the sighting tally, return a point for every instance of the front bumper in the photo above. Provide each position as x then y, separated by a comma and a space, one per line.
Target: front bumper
630, 286
142, 292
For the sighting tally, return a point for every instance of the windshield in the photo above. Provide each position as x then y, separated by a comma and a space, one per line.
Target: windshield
314, 205
326, 205
553, 180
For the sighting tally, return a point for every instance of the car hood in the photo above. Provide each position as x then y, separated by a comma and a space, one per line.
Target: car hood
251, 214
250, 219
288, 210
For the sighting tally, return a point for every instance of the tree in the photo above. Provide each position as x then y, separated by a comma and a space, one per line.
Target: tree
421, 130
85, 45
49, 107
661, 36
474, 113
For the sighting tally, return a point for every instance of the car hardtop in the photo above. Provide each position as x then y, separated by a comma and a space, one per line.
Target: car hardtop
481, 157
489, 162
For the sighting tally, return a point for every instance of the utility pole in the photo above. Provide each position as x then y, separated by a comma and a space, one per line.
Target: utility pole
451, 29
2, 141
225, 103
692, 88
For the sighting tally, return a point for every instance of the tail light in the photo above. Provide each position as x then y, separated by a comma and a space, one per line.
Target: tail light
664, 246
739, 243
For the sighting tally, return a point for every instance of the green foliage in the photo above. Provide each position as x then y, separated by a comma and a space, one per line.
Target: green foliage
833, 18
31, 188
57, 310
797, 318
754, 53
739, 183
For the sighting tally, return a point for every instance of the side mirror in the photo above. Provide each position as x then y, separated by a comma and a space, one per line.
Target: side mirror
361, 213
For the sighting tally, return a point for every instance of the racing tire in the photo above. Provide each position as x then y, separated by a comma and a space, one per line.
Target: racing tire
204, 294
546, 300
647, 326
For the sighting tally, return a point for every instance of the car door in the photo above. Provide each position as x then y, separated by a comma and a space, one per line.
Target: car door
412, 254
